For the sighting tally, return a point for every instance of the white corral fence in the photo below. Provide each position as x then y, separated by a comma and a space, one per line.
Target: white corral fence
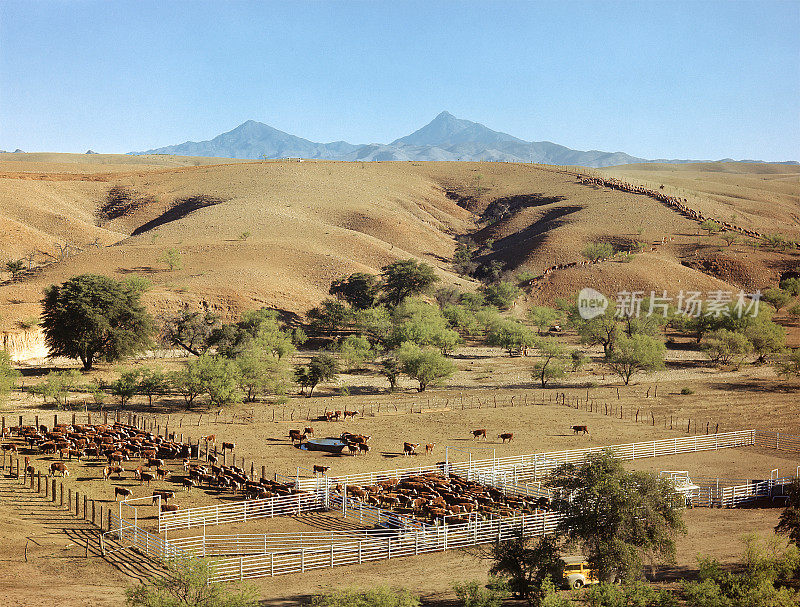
383, 547
245, 510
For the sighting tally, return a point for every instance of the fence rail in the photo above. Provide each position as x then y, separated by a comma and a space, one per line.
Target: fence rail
431, 539
243, 511
777, 440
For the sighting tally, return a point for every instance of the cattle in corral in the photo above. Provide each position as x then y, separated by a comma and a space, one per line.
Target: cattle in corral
351, 414
185, 465
429, 448
576, 429
213, 459
352, 448
295, 435
59, 467
309, 430
321, 469
155, 463
228, 446
145, 477
506, 436
169, 507
211, 438
543, 503
329, 415
410, 448
121, 492
363, 447
9, 447
187, 483
479, 433
337, 415
162, 473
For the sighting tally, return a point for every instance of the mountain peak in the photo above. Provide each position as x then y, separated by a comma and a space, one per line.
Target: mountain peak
446, 130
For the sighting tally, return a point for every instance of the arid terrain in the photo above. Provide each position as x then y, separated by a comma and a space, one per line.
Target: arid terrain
278, 233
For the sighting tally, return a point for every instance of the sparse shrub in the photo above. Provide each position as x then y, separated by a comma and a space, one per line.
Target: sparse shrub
172, 257
502, 294
244, 235
16, 267
776, 297
8, 374
57, 386
524, 277
686, 391
474, 594
186, 584
724, 347
598, 250
794, 310
729, 238
791, 286
382, 596
710, 226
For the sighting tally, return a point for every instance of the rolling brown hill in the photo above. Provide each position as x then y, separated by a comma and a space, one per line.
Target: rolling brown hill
282, 230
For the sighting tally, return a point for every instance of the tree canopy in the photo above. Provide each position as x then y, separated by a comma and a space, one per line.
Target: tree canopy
92, 317
636, 353
407, 278
360, 290
424, 365
617, 516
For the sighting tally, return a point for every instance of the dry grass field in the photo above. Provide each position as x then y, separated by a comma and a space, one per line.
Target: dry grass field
284, 230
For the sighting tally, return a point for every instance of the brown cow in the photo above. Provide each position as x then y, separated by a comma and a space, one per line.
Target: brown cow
169, 507
429, 448
309, 430
479, 433
363, 447
353, 448
162, 473
145, 477
295, 435
410, 448
321, 469
59, 467
576, 429
121, 492
506, 436
211, 438
350, 414
228, 446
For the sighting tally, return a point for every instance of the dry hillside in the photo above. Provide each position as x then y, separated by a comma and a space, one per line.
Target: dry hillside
281, 230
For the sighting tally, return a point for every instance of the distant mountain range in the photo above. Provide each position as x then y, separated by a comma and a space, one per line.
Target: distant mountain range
444, 138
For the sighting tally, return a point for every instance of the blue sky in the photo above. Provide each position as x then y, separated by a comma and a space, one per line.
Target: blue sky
653, 79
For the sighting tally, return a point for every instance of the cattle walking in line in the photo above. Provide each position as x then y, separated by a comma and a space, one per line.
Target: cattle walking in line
121, 492
321, 469
479, 433
58, 467
506, 436
410, 448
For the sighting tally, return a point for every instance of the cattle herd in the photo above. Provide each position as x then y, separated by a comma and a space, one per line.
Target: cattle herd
433, 496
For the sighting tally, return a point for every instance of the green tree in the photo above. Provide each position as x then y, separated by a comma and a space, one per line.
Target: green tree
615, 516
259, 328
423, 324
8, 374
355, 350
789, 521
186, 584
322, 367
126, 385
603, 329
501, 294
526, 564
543, 317
261, 373
382, 596
391, 369
57, 386
635, 593
463, 259
776, 297
219, 378
424, 365
187, 381
554, 361
511, 335
710, 226
329, 317
151, 382
729, 238
172, 257
638, 353
190, 330
407, 278
360, 290
725, 347
598, 250
765, 336
93, 317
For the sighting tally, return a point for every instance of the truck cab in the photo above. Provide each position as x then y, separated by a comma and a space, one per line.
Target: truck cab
577, 572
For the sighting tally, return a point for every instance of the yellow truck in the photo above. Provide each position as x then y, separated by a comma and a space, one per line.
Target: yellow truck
577, 572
